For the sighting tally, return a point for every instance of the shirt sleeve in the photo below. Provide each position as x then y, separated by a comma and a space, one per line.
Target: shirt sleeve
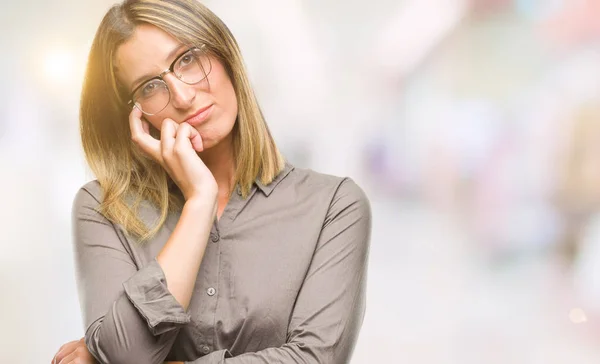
330, 307
129, 314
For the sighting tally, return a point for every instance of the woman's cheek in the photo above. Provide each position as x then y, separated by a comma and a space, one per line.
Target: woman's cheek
155, 123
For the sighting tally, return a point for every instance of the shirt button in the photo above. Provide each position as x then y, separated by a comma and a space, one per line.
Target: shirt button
205, 349
214, 238
211, 291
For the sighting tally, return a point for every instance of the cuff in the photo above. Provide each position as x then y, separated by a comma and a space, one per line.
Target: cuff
216, 357
147, 290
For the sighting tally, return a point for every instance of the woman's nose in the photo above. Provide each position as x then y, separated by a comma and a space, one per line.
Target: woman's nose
182, 94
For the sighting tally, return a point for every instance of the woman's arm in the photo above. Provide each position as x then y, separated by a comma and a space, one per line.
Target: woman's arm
181, 256
330, 307
131, 315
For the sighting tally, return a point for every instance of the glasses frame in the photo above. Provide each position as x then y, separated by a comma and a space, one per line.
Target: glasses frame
165, 72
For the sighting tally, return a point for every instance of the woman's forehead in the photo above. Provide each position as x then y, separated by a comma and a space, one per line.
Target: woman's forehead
150, 50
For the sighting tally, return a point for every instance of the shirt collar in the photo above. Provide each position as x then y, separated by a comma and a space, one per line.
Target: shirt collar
267, 189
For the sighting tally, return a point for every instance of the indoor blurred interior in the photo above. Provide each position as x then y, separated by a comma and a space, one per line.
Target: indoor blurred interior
473, 126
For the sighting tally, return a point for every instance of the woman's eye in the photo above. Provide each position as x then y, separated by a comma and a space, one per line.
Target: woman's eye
150, 88
186, 59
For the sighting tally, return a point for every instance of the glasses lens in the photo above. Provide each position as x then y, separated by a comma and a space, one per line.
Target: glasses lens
193, 66
152, 96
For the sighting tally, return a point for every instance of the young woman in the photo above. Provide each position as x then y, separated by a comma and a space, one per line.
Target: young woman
198, 242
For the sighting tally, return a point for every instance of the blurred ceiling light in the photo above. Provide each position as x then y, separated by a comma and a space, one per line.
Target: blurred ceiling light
58, 66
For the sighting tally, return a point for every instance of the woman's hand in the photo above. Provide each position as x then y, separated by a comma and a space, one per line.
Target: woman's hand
74, 352
176, 151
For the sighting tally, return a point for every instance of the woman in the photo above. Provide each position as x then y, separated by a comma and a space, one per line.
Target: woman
198, 243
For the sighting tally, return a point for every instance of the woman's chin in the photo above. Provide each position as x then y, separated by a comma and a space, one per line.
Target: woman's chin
207, 145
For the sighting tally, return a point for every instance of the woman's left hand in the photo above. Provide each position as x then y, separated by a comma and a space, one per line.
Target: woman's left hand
74, 352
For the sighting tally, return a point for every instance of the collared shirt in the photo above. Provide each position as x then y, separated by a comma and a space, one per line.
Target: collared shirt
282, 279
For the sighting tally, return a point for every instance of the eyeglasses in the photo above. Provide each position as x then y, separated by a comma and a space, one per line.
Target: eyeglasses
190, 67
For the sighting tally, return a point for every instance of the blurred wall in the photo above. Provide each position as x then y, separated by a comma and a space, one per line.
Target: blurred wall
472, 126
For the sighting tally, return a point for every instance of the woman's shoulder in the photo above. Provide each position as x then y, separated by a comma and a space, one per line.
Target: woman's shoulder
341, 200
89, 192
319, 183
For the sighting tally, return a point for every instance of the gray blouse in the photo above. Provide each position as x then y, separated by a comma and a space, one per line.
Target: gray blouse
282, 279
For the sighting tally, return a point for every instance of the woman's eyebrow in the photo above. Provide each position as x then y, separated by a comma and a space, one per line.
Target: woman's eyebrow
171, 54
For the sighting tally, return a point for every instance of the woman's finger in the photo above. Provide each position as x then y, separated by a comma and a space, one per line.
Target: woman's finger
146, 126
64, 350
168, 131
79, 355
196, 140
187, 136
69, 358
140, 134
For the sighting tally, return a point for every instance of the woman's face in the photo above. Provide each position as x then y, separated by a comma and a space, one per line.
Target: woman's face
151, 51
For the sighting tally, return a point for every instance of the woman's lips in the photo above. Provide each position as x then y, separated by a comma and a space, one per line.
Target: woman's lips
200, 116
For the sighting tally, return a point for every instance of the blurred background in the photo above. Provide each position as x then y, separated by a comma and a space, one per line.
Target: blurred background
473, 126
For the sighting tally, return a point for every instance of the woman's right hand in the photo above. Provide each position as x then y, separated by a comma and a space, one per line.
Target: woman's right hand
74, 352
176, 152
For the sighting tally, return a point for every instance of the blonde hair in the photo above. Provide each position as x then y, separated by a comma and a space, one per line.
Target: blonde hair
126, 176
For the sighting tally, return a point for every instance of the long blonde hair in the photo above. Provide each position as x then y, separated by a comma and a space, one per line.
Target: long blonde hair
127, 177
